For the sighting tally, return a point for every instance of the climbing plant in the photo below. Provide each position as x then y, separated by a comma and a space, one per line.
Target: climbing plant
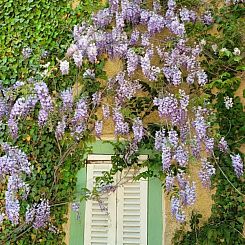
225, 226
52, 107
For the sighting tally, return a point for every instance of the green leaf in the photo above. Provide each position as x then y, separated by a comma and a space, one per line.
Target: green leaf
240, 220
241, 68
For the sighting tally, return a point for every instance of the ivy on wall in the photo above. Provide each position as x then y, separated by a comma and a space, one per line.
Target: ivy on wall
41, 25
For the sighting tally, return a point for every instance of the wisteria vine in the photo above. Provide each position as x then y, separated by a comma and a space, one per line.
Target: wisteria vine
129, 31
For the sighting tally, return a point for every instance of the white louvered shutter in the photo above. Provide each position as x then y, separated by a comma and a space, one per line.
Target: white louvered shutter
100, 228
132, 210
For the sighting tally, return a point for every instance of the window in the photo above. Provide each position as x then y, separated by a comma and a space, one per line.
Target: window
151, 225
126, 220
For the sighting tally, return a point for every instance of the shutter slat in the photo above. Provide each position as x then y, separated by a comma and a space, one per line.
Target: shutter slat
132, 211
100, 226
125, 223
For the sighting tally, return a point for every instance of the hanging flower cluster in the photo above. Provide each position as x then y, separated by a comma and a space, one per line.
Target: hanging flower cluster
38, 215
13, 165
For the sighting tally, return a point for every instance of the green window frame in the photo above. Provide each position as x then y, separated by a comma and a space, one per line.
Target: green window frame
155, 204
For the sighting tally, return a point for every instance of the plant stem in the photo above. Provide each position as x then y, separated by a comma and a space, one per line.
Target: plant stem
227, 177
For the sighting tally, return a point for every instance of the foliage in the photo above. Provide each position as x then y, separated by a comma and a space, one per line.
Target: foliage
42, 25
55, 108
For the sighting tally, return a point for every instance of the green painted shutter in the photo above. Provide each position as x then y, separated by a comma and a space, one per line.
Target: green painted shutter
155, 212
153, 219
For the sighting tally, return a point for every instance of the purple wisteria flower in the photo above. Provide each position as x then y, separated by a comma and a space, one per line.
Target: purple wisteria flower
167, 106
157, 8
41, 89
176, 210
177, 28
106, 111
169, 182
3, 108
160, 139
121, 127
131, 11
20, 109
125, 89
96, 98
223, 146
206, 172
13, 164
67, 99
64, 67
81, 112
145, 39
188, 195
171, 4
173, 138
134, 37
138, 130
78, 58
184, 133
26, 52
75, 208
60, 129
114, 4
71, 50
181, 156
209, 144
78, 130
200, 125
155, 24
184, 15
173, 75
12, 206
92, 53
102, 18
182, 182
166, 157
184, 99
187, 15
202, 77
119, 21
14, 161
132, 61
207, 18
145, 16
237, 164
98, 128
39, 214
196, 146
150, 72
